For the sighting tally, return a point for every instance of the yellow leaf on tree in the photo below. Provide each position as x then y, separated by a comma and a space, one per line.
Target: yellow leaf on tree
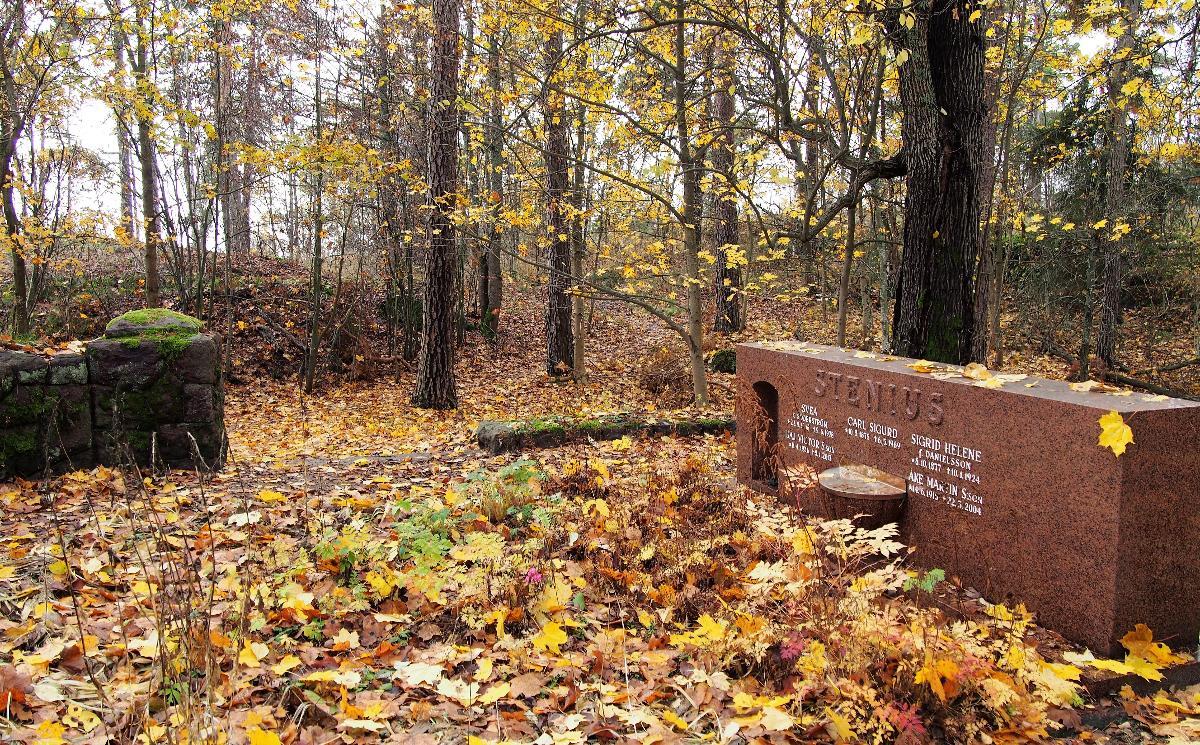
550, 638
1114, 433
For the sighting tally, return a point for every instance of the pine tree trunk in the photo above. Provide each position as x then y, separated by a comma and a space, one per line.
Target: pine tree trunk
559, 343
942, 94
727, 281
495, 282
435, 387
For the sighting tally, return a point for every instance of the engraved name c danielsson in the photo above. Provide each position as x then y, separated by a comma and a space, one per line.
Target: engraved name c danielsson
877, 396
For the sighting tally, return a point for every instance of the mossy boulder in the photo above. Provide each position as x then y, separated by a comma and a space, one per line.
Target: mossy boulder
152, 322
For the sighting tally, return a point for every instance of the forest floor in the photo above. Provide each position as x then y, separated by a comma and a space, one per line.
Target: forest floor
362, 572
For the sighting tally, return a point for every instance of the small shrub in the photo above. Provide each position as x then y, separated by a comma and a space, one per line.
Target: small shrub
723, 361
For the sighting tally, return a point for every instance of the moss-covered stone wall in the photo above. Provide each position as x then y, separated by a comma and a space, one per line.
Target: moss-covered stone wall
150, 390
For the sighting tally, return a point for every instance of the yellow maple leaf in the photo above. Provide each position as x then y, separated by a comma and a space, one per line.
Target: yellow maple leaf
838, 727
50, 732
941, 676
1142, 667
252, 653
257, 736
1114, 433
550, 638
1115, 666
287, 663
711, 628
494, 694
80, 718
1140, 643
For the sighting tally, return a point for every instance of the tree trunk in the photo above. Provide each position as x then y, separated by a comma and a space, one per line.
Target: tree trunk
12, 224
153, 298
495, 287
847, 263
942, 94
559, 343
579, 247
1114, 193
314, 318
435, 388
691, 211
727, 281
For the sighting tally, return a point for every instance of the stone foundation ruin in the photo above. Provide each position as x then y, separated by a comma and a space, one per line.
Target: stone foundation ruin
149, 391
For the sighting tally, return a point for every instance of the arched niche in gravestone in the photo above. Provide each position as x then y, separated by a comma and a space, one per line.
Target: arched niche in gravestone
765, 429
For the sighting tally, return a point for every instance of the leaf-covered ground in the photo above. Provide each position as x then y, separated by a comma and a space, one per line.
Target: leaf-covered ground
360, 572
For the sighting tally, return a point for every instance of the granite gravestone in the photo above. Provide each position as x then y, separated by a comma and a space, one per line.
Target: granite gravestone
1008, 487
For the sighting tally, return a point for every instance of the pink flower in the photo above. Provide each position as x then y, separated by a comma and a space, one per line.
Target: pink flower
533, 577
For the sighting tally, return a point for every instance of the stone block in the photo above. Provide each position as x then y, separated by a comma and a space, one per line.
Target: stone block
21, 449
141, 408
130, 363
175, 445
68, 426
68, 369
1007, 487
22, 368
27, 404
200, 404
199, 362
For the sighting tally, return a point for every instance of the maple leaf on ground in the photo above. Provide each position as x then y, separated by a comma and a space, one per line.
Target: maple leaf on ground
14, 686
253, 653
941, 676
1115, 434
1140, 643
257, 736
550, 638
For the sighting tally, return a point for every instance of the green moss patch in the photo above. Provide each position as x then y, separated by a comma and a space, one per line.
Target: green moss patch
155, 318
169, 331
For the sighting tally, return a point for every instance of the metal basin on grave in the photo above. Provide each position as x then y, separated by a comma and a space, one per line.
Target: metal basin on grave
868, 496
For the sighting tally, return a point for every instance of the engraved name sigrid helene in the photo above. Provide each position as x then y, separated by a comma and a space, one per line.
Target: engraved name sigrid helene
874, 395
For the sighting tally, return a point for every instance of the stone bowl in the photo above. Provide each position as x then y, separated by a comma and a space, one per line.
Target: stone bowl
869, 497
